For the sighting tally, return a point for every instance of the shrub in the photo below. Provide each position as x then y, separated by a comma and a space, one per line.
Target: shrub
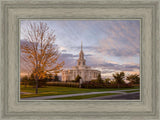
95, 84
64, 84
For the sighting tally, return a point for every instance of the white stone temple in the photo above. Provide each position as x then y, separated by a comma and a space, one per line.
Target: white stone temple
85, 72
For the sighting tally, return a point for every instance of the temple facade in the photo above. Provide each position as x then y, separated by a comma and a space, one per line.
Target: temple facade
84, 71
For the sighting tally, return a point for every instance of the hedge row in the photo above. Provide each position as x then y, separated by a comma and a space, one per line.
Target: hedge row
64, 84
41, 83
91, 84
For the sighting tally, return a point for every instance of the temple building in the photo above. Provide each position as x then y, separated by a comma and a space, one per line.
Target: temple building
84, 71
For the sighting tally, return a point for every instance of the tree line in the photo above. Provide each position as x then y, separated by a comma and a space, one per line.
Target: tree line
117, 81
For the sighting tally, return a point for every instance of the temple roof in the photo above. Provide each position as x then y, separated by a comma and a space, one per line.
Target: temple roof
81, 54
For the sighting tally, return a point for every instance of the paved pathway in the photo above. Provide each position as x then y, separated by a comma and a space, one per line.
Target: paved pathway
79, 94
126, 96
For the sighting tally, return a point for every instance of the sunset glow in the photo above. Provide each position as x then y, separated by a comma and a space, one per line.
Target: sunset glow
109, 45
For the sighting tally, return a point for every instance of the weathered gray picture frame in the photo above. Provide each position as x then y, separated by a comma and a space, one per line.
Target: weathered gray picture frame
14, 10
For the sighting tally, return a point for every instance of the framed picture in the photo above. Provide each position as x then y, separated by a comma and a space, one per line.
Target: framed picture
80, 59
75, 63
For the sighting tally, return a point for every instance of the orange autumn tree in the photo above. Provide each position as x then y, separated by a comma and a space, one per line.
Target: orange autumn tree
40, 52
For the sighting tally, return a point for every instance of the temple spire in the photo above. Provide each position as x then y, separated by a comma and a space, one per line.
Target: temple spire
81, 45
81, 61
81, 54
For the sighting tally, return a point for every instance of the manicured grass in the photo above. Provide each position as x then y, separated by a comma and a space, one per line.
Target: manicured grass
56, 90
131, 91
84, 96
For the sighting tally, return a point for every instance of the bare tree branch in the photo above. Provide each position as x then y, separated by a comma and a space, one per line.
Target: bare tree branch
39, 52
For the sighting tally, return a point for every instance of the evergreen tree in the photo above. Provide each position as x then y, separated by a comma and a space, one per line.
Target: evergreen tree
135, 79
25, 80
77, 79
99, 79
119, 77
56, 78
107, 80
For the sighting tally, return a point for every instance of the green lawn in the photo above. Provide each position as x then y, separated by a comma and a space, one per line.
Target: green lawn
84, 96
131, 91
55, 90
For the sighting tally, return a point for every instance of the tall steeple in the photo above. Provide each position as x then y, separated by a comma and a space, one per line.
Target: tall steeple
81, 61
81, 45
81, 54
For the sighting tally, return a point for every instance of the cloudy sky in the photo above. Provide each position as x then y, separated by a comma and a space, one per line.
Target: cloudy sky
109, 45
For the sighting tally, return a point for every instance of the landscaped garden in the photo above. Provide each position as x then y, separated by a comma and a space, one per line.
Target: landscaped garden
56, 87
58, 90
